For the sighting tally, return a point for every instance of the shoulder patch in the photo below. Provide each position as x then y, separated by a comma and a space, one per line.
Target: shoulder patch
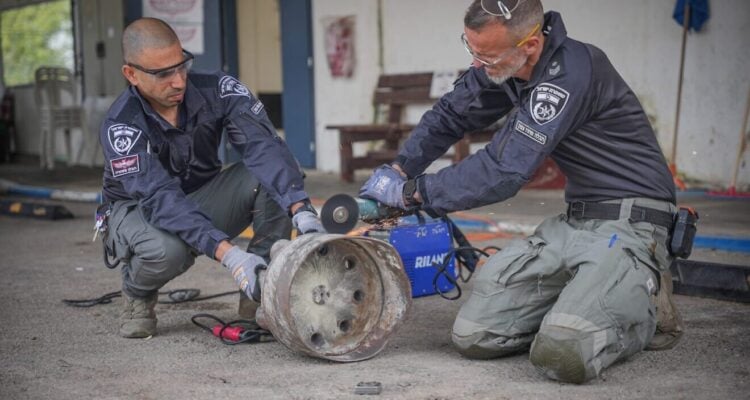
554, 68
547, 102
122, 138
257, 107
229, 86
125, 165
531, 133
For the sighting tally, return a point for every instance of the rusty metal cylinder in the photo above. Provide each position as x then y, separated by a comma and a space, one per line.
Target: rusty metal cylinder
333, 296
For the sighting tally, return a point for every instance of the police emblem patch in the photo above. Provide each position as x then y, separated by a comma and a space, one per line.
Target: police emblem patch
547, 102
125, 165
122, 138
229, 86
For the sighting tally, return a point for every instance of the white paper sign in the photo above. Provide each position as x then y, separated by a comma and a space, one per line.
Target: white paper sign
184, 16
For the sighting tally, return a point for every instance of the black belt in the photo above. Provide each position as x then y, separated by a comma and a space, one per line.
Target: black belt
611, 211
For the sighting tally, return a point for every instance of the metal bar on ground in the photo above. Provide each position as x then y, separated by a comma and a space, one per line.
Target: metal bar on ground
717, 281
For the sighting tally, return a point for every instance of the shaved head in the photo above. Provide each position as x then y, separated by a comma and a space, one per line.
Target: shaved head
146, 33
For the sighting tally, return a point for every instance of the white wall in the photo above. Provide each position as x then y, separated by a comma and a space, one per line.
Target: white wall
343, 100
639, 36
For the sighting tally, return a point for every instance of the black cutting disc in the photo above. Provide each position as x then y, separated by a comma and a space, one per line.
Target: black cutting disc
339, 214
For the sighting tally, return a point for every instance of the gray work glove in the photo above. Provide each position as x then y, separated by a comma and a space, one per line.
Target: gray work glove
386, 185
244, 267
307, 222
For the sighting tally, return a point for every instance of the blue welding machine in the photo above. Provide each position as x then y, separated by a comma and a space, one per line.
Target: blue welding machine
423, 247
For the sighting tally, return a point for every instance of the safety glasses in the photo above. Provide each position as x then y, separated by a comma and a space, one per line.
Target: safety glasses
164, 74
504, 54
501, 8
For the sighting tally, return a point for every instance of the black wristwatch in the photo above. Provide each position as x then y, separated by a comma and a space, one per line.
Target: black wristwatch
306, 206
410, 189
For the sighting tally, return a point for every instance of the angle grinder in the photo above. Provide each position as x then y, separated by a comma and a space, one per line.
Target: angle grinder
341, 212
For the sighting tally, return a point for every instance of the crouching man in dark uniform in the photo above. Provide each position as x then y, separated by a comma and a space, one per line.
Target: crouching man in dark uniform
583, 291
169, 198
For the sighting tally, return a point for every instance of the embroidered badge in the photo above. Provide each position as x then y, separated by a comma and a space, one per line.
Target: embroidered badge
122, 138
125, 165
531, 133
257, 107
554, 69
229, 86
547, 102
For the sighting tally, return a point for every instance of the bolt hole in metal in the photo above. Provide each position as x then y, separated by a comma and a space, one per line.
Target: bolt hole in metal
345, 325
316, 339
349, 263
323, 250
358, 296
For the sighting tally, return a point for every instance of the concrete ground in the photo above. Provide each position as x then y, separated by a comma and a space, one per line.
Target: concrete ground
50, 350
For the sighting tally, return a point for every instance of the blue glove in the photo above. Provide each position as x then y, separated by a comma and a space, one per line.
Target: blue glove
244, 267
307, 222
386, 185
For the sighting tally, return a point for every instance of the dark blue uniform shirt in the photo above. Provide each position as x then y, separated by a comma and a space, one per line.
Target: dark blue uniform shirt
576, 108
149, 160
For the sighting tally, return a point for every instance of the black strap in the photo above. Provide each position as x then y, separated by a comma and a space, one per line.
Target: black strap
611, 211
464, 252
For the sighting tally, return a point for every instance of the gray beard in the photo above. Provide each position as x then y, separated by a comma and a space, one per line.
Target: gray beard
507, 73
497, 80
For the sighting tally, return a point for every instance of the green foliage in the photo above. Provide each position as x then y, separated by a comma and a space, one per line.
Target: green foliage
35, 36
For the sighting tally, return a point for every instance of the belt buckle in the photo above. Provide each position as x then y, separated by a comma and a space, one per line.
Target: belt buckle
577, 207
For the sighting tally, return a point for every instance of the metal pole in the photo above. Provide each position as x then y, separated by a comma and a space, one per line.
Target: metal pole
685, 25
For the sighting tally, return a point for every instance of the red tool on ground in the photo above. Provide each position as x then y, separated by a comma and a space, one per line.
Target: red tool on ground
234, 332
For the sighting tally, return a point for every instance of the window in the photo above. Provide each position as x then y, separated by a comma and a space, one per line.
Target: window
34, 36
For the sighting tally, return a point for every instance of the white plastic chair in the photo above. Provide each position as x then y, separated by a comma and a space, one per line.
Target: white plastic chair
59, 108
95, 109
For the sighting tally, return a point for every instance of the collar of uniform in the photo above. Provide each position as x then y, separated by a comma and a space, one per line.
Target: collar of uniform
149, 111
554, 35
194, 100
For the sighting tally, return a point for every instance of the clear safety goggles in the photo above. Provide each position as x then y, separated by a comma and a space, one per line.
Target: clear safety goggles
166, 73
504, 54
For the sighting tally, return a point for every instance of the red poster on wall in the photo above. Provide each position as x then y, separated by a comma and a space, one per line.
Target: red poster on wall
339, 44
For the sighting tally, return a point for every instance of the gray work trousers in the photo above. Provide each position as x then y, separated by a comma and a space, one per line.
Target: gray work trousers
151, 257
580, 292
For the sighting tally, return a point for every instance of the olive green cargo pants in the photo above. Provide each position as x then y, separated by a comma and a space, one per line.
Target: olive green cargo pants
152, 257
580, 292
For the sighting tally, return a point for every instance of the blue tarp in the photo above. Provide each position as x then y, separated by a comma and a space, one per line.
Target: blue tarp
698, 13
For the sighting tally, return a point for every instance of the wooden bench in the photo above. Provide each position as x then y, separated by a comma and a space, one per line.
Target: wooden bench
396, 92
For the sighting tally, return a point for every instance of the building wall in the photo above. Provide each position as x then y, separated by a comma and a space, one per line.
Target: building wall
639, 36
259, 43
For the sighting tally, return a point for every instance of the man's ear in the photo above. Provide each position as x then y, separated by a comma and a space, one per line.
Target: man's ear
129, 73
532, 44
